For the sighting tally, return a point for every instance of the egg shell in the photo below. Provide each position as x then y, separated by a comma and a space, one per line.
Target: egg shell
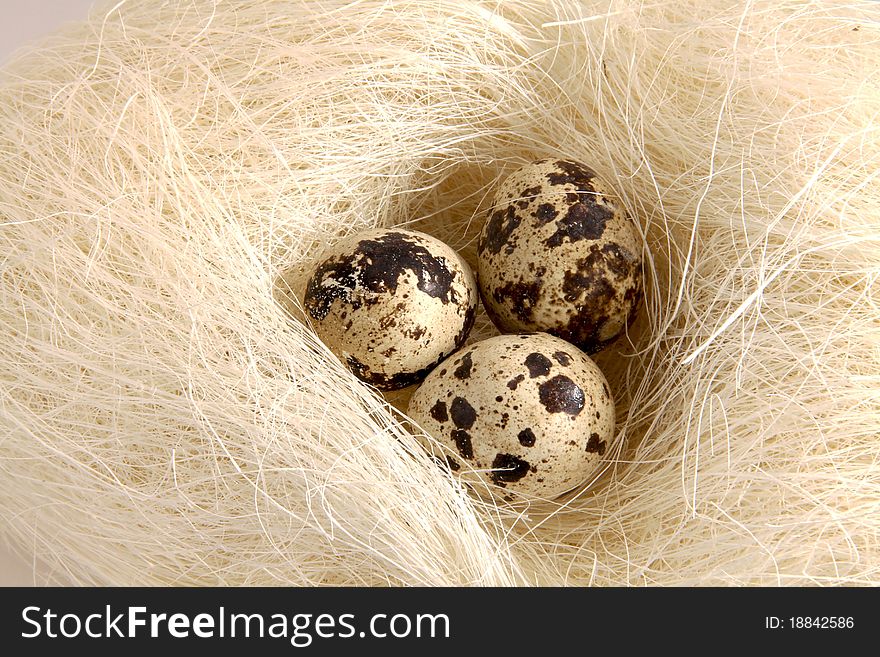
558, 253
531, 414
392, 304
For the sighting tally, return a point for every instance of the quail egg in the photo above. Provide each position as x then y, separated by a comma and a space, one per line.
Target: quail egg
558, 253
392, 304
530, 414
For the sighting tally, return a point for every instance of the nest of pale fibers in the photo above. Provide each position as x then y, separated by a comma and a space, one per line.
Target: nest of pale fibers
167, 169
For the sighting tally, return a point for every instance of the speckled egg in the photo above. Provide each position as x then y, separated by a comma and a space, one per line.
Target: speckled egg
392, 304
531, 414
558, 253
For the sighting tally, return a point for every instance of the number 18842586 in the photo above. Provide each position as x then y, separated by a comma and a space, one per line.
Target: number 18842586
821, 622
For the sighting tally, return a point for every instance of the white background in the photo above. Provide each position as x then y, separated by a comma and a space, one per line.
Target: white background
22, 21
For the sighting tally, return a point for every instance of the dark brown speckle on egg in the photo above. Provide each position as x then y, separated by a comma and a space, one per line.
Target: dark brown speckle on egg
561, 395
463, 443
462, 413
594, 444
562, 358
438, 412
463, 370
538, 365
526, 437
507, 468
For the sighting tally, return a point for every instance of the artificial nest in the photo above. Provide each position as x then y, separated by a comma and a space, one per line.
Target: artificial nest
167, 169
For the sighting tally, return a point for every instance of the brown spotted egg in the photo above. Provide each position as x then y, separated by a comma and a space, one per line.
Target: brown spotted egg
392, 304
525, 414
558, 253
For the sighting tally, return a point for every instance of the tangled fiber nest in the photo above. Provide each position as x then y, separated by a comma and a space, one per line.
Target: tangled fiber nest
166, 169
